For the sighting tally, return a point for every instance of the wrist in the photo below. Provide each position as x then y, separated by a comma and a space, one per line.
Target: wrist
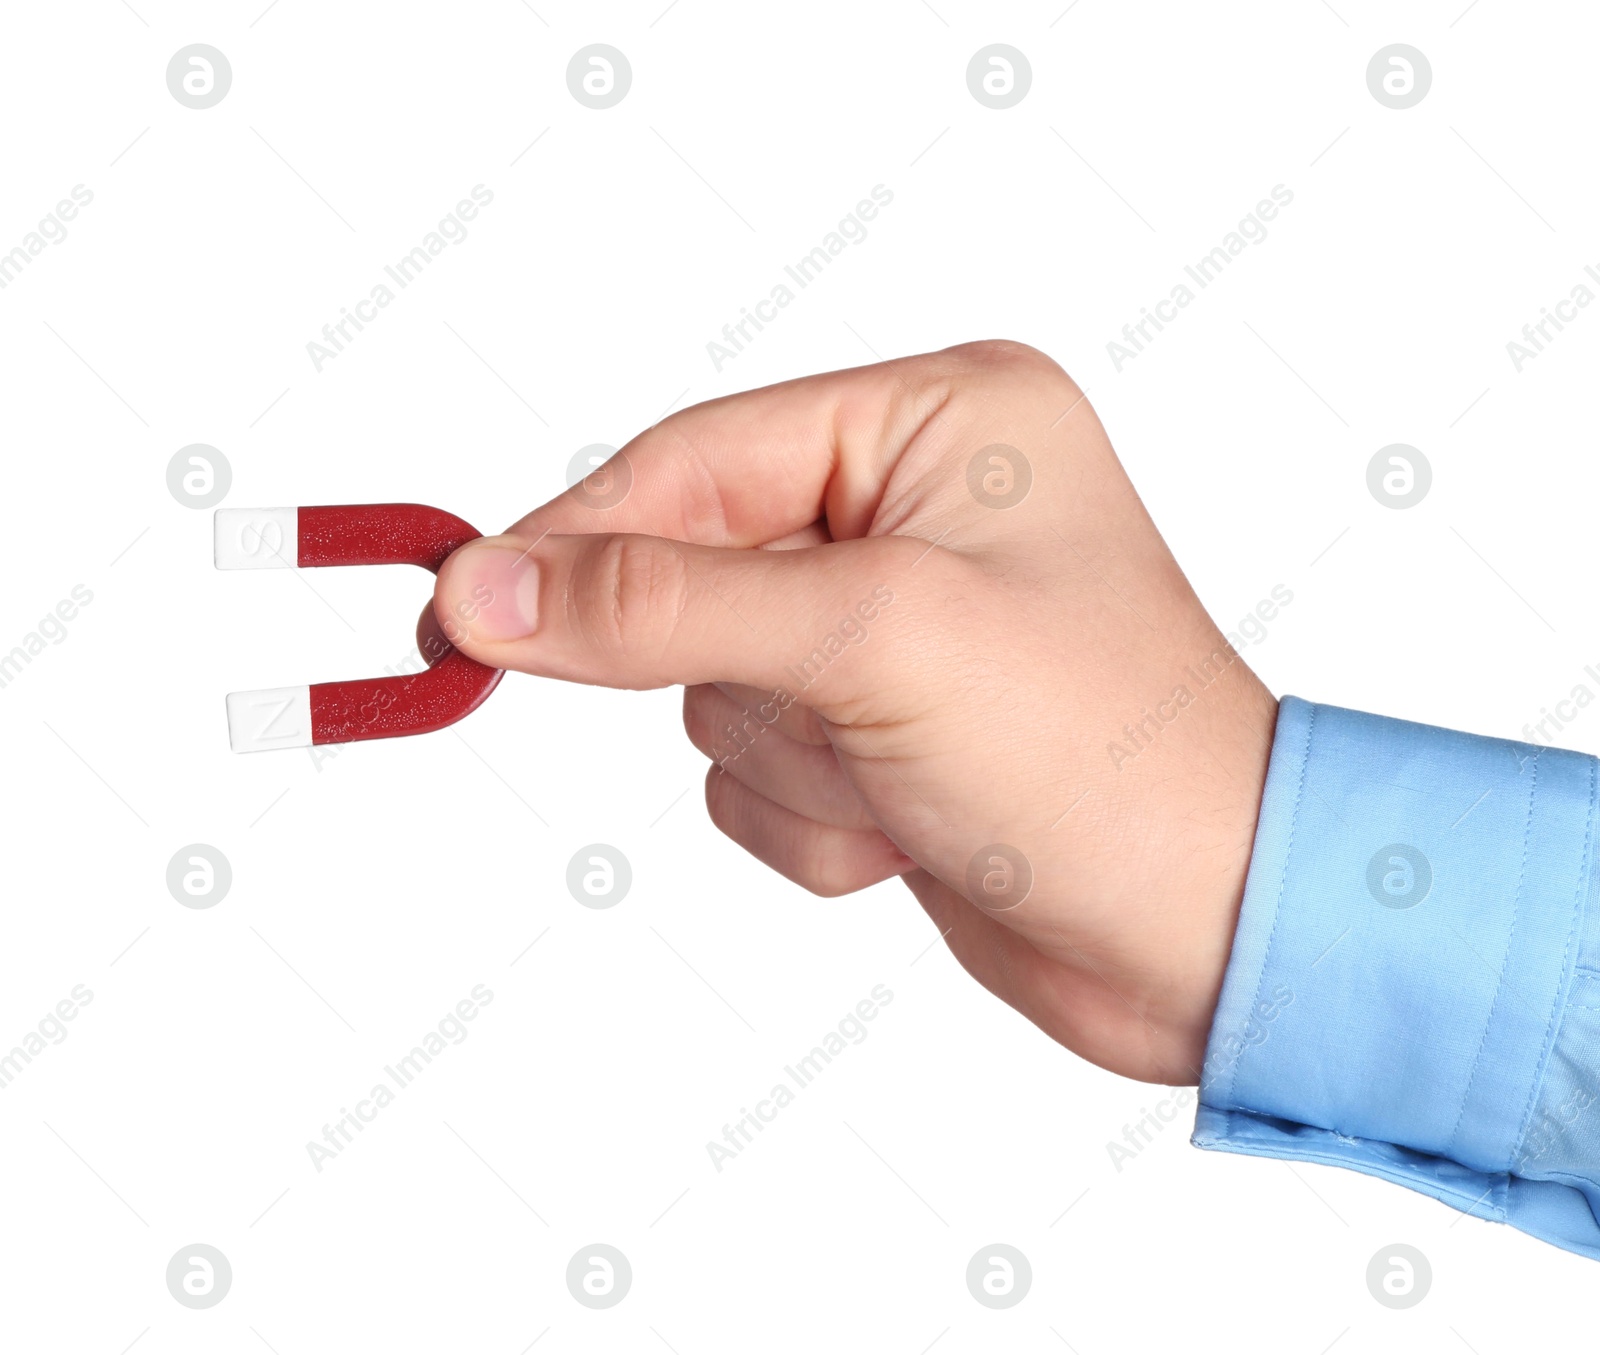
1209, 892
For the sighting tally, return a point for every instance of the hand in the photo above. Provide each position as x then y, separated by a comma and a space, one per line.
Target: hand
903, 658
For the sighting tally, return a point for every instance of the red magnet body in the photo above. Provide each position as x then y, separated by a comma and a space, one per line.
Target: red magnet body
451, 687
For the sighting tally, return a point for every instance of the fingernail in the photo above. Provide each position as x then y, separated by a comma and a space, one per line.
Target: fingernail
494, 591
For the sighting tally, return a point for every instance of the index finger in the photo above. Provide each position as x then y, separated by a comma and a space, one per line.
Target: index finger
747, 469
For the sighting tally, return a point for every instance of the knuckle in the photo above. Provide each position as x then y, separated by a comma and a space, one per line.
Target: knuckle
685, 440
697, 717
822, 872
1014, 367
827, 884
720, 803
703, 500
637, 594
1004, 353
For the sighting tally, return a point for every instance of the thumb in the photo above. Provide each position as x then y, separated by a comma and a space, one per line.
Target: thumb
643, 611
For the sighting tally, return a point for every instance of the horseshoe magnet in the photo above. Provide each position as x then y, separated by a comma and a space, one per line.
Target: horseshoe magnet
451, 687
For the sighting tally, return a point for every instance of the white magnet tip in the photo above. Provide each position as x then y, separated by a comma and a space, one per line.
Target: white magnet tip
274, 717
257, 538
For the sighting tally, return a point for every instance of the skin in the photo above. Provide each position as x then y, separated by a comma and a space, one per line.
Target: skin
977, 706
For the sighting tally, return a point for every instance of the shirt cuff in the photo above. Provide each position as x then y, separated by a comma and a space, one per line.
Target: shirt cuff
1414, 987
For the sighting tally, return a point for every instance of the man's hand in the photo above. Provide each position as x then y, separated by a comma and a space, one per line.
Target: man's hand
925, 628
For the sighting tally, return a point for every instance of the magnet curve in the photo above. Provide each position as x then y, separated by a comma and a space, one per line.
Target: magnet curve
451, 687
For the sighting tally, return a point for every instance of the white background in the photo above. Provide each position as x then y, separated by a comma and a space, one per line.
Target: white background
371, 894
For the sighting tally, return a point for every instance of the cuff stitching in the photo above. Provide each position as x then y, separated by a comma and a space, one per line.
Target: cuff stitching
1556, 1007
1505, 960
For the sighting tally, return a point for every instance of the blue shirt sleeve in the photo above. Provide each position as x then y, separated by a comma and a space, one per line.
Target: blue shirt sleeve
1414, 987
